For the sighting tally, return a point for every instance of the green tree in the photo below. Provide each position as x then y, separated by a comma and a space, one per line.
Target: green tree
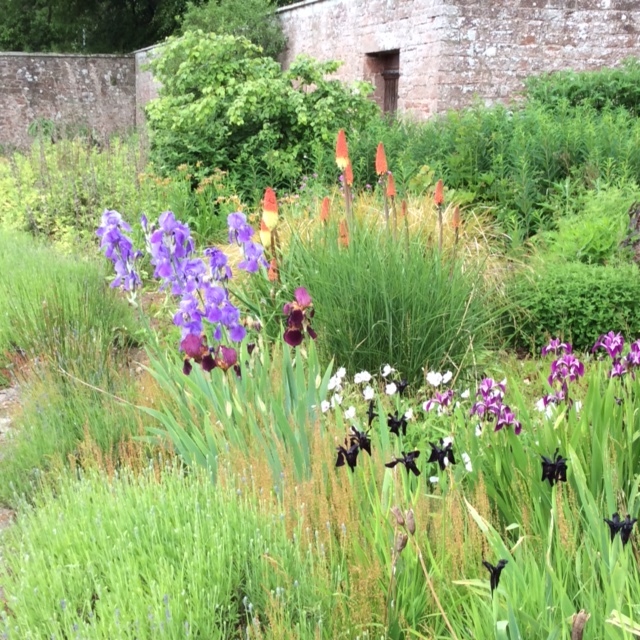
255, 20
223, 104
91, 26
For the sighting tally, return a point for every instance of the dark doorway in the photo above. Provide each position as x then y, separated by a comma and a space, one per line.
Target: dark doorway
382, 69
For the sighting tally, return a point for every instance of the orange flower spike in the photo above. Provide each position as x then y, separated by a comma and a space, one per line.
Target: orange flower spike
270, 209
348, 174
343, 233
381, 160
324, 212
272, 273
438, 196
342, 151
265, 234
391, 186
455, 221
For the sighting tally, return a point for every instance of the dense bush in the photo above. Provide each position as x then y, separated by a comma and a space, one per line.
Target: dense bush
616, 87
574, 300
255, 20
225, 105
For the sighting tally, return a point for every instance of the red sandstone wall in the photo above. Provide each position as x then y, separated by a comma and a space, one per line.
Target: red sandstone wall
492, 46
94, 92
453, 50
349, 29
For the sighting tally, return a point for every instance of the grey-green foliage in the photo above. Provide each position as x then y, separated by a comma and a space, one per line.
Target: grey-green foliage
255, 20
139, 558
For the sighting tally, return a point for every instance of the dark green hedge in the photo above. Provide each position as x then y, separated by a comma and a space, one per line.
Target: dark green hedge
576, 301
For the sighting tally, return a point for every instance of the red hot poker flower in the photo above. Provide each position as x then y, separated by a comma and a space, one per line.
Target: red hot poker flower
342, 151
438, 196
324, 212
270, 209
391, 186
348, 174
381, 160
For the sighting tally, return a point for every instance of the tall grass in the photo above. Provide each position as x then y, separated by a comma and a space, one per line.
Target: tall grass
59, 309
63, 325
384, 300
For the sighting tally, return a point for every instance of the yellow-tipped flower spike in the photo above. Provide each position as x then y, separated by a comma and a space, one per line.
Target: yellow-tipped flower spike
342, 151
265, 234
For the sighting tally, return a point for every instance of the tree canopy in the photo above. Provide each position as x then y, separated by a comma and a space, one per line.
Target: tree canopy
122, 26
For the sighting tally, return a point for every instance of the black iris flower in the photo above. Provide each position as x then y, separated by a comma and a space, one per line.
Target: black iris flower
347, 454
360, 438
554, 469
397, 423
408, 460
443, 454
402, 386
495, 572
624, 527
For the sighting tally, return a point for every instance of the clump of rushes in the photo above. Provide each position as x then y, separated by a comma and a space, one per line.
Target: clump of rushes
381, 170
344, 164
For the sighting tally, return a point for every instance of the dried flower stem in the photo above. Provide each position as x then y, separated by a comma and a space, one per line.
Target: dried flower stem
386, 199
440, 227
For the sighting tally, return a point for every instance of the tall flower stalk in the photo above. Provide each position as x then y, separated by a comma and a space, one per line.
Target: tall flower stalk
438, 198
381, 170
344, 164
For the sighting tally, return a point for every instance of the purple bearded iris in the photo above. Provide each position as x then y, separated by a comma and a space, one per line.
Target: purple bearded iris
119, 249
299, 314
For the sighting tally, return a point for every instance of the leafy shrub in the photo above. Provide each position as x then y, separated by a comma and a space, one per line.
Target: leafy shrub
225, 105
57, 190
574, 300
255, 20
616, 87
386, 301
593, 233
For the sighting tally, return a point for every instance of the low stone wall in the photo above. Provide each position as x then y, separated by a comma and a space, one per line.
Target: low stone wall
94, 93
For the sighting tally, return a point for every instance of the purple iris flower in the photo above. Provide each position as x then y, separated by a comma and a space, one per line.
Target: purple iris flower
555, 347
566, 368
507, 418
441, 401
220, 270
618, 368
611, 342
119, 249
253, 257
299, 313
632, 358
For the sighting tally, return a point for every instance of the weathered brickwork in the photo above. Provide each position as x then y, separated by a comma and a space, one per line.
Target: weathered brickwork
92, 92
453, 50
